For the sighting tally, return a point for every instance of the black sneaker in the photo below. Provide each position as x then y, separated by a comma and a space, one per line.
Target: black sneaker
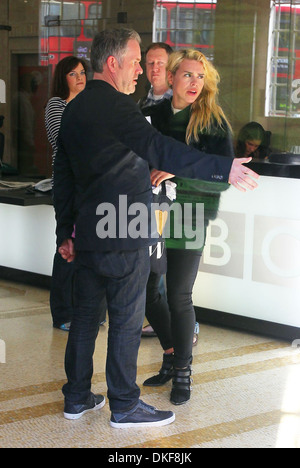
142, 415
76, 410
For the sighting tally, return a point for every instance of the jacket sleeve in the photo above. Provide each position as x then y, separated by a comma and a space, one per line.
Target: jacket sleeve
164, 152
63, 194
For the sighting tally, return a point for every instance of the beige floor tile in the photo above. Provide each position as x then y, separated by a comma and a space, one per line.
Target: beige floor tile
244, 390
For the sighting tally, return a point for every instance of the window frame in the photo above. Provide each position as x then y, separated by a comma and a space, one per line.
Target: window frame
166, 27
282, 99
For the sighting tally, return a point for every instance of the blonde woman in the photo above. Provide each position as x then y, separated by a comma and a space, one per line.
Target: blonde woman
192, 116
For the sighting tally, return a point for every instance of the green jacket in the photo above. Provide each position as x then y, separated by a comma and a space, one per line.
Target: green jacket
218, 141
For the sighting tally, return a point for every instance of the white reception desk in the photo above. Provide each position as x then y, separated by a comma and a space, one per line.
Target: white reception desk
250, 271
27, 236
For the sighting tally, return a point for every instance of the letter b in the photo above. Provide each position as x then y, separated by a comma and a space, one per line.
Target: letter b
220, 244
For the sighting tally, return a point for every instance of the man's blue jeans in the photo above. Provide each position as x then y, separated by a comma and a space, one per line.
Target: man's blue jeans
122, 277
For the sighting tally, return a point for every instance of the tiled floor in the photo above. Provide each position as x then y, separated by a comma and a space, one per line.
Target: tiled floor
245, 391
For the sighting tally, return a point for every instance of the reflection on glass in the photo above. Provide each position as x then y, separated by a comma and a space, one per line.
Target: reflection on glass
186, 23
29, 128
67, 28
256, 48
284, 53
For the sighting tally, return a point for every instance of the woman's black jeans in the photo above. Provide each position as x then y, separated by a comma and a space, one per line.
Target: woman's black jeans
174, 321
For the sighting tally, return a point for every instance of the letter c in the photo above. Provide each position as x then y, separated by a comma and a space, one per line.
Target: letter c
292, 273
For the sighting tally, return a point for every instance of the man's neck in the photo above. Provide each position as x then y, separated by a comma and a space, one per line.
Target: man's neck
105, 76
159, 91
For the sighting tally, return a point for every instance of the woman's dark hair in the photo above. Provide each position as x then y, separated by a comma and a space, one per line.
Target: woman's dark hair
60, 86
251, 131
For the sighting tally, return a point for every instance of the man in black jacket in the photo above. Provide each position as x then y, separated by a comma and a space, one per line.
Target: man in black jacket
101, 183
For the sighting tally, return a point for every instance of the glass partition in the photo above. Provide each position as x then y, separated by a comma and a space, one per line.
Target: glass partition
64, 27
255, 46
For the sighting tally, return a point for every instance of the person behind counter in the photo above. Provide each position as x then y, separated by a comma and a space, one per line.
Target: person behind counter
193, 116
68, 81
253, 141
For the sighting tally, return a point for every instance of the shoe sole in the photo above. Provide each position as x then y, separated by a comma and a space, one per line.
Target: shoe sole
73, 417
179, 403
165, 422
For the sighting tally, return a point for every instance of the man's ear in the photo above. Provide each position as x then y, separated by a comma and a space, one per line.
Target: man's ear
112, 63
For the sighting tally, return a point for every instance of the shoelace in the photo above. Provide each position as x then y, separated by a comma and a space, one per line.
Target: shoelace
147, 408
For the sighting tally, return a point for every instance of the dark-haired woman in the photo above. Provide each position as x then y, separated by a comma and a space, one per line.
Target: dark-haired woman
253, 141
69, 80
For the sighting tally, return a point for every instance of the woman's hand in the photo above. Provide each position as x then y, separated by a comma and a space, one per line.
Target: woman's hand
157, 177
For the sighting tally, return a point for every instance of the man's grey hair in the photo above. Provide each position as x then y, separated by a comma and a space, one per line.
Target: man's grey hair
111, 42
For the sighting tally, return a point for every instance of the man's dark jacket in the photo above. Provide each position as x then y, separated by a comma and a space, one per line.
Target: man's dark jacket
105, 148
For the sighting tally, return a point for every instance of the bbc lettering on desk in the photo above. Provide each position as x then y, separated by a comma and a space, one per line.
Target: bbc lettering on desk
271, 248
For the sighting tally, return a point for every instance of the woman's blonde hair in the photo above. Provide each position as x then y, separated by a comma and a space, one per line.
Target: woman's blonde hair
206, 108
